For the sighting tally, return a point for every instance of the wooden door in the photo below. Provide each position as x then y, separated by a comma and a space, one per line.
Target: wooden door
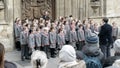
36, 8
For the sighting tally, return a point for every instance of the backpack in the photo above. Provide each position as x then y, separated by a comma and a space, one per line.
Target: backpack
92, 62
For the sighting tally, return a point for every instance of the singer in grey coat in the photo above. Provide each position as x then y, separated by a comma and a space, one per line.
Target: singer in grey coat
24, 44
45, 39
38, 40
17, 30
81, 39
60, 40
73, 38
45, 43
24, 38
52, 38
31, 41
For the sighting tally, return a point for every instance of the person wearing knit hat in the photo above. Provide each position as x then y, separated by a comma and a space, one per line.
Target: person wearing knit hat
91, 48
111, 60
67, 56
92, 40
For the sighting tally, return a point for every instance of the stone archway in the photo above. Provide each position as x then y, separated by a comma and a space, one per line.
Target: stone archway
35, 8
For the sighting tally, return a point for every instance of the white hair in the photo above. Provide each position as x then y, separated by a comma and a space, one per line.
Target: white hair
67, 53
117, 63
117, 45
39, 59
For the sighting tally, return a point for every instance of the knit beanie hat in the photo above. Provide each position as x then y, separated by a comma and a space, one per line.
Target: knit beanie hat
92, 39
67, 54
117, 45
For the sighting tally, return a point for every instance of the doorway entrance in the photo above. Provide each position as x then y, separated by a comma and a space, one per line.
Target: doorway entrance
36, 8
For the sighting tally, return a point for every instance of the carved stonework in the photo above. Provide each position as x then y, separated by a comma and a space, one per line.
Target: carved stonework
95, 5
35, 8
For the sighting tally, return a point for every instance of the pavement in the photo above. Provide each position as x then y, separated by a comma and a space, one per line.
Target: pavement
14, 57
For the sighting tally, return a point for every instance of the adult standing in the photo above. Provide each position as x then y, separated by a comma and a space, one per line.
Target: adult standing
46, 16
105, 37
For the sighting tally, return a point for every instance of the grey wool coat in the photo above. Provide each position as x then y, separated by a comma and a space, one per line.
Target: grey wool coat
114, 31
80, 35
87, 32
52, 37
38, 39
60, 40
73, 36
67, 33
45, 39
17, 30
24, 38
31, 41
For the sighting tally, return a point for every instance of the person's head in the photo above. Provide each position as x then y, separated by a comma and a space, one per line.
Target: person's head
38, 29
116, 64
95, 25
92, 40
60, 30
70, 16
67, 54
45, 29
2, 52
39, 59
51, 29
113, 24
17, 19
91, 22
117, 47
80, 26
92, 47
25, 29
105, 20
88, 26
46, 13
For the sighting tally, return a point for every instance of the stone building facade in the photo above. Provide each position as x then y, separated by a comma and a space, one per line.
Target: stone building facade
80, 9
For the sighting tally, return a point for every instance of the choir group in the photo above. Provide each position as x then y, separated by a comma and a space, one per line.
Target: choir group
50, 36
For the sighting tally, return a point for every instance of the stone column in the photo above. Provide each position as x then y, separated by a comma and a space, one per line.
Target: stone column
81, 9
68, 8
62, 7
6, 29
17, 8
57, 9
74, 8
87, 8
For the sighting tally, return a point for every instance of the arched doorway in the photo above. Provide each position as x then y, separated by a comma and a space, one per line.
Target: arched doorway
36, 8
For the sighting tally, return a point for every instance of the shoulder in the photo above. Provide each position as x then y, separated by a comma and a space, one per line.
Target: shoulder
9, 65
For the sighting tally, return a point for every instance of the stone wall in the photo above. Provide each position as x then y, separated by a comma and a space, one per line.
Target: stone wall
80, 9
11, 11
112, 11
67, 7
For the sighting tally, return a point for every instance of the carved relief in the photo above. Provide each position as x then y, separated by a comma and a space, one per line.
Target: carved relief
3, 32
35, 8
95, 5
